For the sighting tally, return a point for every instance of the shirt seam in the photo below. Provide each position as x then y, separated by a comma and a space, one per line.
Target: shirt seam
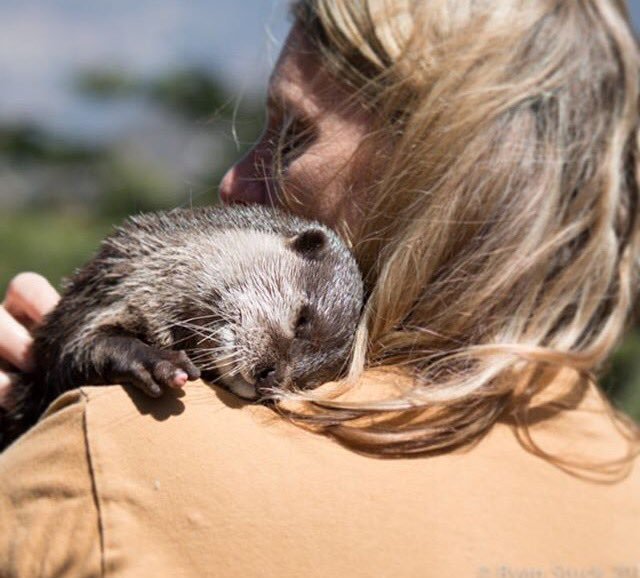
91, 461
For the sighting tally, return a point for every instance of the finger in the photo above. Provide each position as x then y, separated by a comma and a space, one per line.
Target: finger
15, 342
30, 296
5, 388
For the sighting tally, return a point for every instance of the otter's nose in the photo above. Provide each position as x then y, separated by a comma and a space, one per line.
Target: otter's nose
265, 377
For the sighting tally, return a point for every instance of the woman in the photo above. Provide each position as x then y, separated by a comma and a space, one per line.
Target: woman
481, 159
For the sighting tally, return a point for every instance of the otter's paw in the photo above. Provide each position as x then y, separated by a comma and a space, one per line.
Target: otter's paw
136, 363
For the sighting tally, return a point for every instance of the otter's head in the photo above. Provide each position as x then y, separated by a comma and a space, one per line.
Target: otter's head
288, 314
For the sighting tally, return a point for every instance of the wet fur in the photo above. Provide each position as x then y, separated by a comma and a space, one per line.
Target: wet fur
234, 291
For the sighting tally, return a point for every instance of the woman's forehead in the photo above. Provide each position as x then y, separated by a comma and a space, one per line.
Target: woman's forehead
300, 82
297, 78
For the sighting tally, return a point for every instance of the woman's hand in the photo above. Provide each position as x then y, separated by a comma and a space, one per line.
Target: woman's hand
29, 298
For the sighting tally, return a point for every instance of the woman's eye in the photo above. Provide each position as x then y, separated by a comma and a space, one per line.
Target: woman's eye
293, 139
295, 136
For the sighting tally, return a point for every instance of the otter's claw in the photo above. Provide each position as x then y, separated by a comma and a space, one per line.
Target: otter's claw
150, 369
171, 368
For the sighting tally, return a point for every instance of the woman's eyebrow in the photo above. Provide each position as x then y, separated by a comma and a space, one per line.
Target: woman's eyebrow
279, 100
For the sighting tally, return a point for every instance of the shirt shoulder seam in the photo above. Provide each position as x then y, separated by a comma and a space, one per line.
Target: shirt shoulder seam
92, 465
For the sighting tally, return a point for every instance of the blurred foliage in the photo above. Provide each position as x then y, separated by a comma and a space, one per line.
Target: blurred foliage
47, 242
199, 99
622, 379
128, 190
25, 142
193, 93
106, 83
76, 192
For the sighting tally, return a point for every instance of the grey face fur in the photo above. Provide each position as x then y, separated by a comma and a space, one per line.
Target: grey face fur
278, 317
258, 300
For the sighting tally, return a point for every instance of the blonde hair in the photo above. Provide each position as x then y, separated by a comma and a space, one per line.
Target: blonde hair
502, 237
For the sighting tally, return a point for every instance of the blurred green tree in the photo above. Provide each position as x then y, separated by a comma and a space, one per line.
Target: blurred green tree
28, 143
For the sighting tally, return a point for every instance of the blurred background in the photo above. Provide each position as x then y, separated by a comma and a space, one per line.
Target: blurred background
112, 107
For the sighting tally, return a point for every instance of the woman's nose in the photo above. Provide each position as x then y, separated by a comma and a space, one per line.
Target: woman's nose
244, 182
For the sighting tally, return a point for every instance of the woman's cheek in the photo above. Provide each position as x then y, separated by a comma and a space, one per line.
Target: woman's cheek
313, 172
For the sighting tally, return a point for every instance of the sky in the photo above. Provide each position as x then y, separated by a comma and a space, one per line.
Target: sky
44, 42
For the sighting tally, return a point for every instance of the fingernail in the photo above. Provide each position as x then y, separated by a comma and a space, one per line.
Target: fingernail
5, 380
5, 390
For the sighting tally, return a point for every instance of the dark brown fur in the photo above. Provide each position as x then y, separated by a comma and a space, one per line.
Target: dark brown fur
248, 296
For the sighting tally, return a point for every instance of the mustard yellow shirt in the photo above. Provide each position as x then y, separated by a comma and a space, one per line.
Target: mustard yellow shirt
113, 484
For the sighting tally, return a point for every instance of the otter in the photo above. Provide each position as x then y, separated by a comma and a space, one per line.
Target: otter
251, 298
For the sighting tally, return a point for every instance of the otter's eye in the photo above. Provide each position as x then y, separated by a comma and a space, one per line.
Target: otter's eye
303, 320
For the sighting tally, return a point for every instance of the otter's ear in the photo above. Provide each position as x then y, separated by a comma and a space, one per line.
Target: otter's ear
311, 243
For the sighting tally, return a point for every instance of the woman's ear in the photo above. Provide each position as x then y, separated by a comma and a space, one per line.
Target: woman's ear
311, 243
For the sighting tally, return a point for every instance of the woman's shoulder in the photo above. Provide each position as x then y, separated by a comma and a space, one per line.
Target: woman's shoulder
49, 521
121, 429
197, 480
